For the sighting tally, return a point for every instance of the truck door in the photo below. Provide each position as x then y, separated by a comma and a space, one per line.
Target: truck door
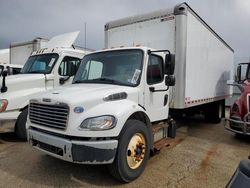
156, 102
67, 70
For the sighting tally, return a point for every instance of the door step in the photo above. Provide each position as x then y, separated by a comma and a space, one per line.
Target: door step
159, 131
158, 126
164, 142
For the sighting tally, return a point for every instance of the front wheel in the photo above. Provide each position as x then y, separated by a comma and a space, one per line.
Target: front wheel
20, 128
132, 153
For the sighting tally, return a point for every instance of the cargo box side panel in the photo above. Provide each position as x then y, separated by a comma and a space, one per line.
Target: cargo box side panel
209, 62
158, 33
20, 54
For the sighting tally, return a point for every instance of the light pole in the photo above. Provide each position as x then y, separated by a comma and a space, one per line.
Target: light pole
85, 34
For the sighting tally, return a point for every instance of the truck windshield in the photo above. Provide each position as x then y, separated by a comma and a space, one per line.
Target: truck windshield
40, 64
121, 67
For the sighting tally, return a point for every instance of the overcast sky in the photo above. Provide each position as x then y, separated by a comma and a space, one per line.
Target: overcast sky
23, 20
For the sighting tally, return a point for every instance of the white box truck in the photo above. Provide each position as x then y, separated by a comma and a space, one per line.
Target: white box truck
52, 66
5, 63
4, 56
116, 112
21, 51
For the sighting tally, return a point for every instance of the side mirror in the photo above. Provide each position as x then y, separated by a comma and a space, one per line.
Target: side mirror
169, 64
170, 80
62, 80
4, 88
238, 74
5, 73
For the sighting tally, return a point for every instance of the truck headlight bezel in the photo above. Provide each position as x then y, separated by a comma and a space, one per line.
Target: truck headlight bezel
3, 105
98, 123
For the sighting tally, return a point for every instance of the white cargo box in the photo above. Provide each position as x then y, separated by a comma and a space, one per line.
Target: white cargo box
204, 61
20, 51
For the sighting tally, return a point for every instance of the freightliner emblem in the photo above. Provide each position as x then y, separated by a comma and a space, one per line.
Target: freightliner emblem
46, 100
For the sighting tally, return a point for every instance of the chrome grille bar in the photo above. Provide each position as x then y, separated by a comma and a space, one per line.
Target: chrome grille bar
49, 115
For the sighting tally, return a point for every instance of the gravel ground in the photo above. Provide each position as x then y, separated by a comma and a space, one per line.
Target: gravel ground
203, 155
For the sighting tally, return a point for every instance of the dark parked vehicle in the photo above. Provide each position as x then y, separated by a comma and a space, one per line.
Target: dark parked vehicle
239, 119
241, 177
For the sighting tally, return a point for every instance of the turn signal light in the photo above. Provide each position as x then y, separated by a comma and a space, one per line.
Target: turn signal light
3, 105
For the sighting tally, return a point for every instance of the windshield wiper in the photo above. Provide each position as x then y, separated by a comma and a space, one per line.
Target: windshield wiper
105, 80
39, 72
79, 81
99, 80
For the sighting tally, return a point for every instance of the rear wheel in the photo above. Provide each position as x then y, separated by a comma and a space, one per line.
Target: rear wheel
215, 111
132, 153
20, 128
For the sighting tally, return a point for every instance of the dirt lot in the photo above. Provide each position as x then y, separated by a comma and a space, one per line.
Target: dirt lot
204, 155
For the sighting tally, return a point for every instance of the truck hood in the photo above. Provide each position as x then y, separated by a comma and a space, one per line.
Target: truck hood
22, 82
87, 94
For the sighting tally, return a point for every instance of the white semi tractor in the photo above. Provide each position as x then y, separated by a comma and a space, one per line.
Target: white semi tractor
52, 66
116, 112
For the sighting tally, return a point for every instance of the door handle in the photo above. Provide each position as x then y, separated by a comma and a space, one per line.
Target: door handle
152, 89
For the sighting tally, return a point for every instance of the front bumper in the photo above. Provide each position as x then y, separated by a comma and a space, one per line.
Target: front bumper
85, 152
7, 125
8, 120
237, 125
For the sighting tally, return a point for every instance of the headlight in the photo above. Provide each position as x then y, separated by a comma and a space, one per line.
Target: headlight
98, 123
3, 105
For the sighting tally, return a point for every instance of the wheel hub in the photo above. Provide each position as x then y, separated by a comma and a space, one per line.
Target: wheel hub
136, 151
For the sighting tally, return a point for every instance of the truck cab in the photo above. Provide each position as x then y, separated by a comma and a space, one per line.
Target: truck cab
45, 69
115, 112
239, 118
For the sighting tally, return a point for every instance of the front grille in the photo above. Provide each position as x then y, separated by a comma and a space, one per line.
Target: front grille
55, 116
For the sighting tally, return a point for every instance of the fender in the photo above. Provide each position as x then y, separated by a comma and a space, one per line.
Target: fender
122, 110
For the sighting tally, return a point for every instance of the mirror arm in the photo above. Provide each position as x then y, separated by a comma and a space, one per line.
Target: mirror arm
4, 88
66, 79
62, 80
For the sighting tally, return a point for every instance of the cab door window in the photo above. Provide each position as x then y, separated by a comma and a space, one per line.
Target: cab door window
155, 70
69, 66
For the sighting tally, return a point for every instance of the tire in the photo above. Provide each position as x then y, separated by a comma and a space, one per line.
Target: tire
215, 111
124, 168
20, 128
